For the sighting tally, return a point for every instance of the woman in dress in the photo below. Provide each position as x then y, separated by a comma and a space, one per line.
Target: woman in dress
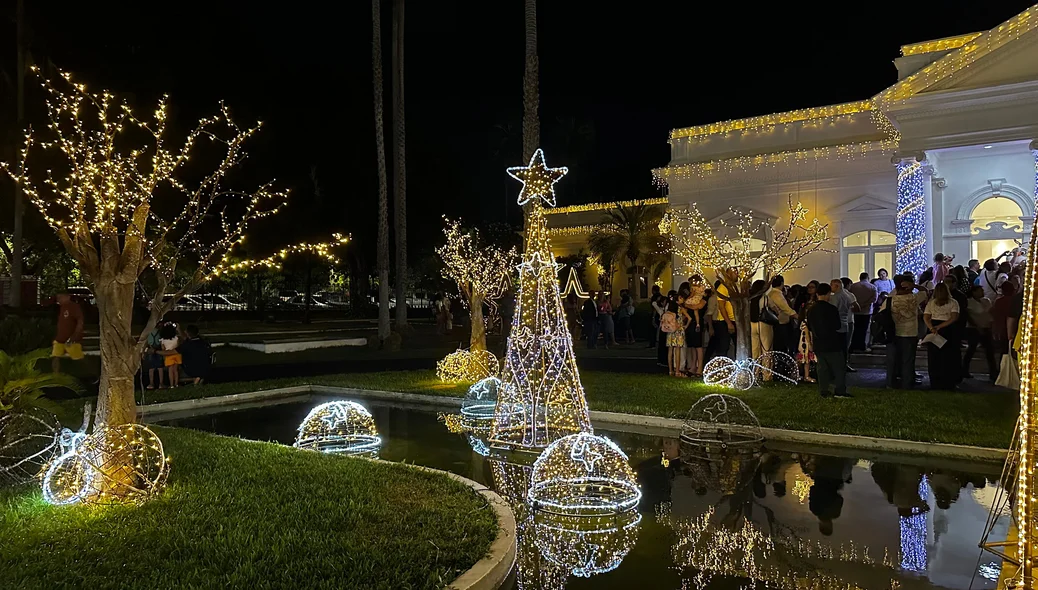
605, 318
940, 315
695, 332
676, 339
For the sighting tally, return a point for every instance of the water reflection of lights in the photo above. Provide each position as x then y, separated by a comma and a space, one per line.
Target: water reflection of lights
583, 474
705, 549
339, 427
913, 534
802, 487
586, 546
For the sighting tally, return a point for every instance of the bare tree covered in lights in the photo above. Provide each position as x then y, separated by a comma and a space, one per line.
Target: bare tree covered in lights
124, 198
479, 269
729, 253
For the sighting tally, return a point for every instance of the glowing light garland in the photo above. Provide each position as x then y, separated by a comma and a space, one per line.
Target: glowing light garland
944, 44
1027, 425
823, 114
606, 206
913, 535
911, 218
467, 365
114, 465
339, 427
540, 374
774, 366
583, 475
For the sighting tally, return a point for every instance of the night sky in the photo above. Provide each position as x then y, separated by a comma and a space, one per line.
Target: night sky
615, 78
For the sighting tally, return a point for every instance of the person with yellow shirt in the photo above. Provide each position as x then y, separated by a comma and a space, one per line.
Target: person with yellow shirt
723, 324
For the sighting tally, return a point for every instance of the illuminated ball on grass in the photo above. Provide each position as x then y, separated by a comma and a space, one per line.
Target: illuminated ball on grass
583, 475
586, 545
29, 439
465, 365
122, 464
725, 372
339, 427
774, 366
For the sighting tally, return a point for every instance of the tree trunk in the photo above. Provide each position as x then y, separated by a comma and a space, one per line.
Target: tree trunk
399, 165
119, 355
380, 148
19, 198
308, 288
743, 348
478, 338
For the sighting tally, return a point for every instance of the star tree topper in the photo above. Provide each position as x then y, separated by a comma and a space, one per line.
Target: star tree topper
538, 180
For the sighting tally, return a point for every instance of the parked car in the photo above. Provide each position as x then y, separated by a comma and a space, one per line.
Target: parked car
315, 303
219, 302
185, 303
287, 294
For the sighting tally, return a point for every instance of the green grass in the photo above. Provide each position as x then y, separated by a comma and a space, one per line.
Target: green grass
240, 514
980, 419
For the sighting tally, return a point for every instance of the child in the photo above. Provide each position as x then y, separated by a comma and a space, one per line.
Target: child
676, 339
172, 359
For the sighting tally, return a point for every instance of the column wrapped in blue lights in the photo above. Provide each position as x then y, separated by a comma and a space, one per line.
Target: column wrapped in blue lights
911, 217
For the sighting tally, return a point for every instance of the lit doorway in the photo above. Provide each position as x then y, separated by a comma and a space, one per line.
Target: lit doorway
996, 228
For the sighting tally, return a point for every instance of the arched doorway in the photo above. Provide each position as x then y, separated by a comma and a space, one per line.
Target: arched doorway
996, 227
868, 251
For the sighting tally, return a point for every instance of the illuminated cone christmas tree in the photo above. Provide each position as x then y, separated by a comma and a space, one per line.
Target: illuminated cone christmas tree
541, 399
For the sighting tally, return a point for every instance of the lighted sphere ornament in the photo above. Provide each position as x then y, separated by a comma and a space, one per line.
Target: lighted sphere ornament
465, 365
339, 427
586, 546
769, 367
122, 464
29, 438
720, 419
583, 475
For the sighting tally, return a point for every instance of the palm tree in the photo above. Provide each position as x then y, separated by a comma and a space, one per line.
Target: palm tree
531, 96
630, 233
399, 165
380, 148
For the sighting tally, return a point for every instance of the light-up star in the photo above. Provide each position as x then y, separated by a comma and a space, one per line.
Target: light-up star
583, 453
536, 263
335, 416
538, 180
717, 410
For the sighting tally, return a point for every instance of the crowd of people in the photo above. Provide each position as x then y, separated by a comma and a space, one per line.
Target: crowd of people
951, 310
174, 351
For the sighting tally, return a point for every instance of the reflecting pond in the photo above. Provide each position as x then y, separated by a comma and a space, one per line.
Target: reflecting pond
782, 517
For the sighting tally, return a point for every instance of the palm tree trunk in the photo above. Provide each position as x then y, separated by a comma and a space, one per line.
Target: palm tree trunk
478, 334
531, 95
19, 198
380, 147
399, 164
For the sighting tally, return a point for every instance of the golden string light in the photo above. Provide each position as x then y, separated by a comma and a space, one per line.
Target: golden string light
605, 206
766, 122
540, 374
467, 365
938, 44
960, 58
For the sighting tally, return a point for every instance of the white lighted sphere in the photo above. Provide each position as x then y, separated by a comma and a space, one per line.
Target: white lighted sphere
583, 474
29, 439
338, 427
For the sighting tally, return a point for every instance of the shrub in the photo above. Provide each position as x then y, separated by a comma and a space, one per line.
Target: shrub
21, 335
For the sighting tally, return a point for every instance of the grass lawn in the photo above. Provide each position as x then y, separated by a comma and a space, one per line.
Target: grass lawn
930, 416
253, 515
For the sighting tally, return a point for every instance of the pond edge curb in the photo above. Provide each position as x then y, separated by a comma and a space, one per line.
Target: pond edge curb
636, 423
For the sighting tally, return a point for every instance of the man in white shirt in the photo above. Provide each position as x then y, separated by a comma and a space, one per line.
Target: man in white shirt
991, 279
846, 304
782, 338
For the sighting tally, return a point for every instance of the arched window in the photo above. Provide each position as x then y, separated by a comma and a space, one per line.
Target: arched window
996, 227
868, 251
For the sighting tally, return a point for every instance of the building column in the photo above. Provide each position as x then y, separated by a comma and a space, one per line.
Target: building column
913, 214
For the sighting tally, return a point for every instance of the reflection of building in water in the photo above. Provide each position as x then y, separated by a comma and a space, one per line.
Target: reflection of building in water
586, 546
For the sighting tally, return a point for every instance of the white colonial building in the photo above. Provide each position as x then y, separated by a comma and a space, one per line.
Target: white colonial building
941, 161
